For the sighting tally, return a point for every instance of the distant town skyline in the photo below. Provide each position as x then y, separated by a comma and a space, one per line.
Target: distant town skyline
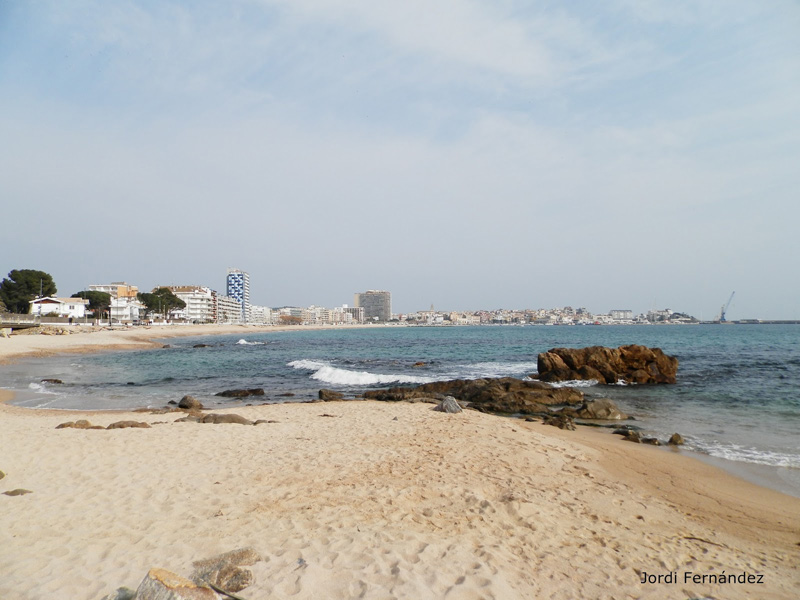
472, 154
377, 304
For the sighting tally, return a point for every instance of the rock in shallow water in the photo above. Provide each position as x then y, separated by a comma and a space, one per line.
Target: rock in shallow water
241, 393
603, 409
676, 440
633, 364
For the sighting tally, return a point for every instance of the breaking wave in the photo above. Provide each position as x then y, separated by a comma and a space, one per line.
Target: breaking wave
327, 373
244, 342
739, 453
495, 369
40, 388
575, 383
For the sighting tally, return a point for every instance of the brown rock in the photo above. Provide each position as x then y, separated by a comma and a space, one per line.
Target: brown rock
241, 393
194, 418
676, 440
501, 395
225, 571
79, 424
225, 418
17, 492
190, 402
633, 436
602, 409
330, 395
128, 424
51, 380
560, 421
160, 584
632, 364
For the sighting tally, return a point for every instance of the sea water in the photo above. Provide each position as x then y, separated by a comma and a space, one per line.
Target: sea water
737, 400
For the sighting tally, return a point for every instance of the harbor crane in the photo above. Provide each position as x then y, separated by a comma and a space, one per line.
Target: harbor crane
724, 309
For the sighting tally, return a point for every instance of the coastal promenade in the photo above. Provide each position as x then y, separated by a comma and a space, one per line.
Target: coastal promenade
373, 500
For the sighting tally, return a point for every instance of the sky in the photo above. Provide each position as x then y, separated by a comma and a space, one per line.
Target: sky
465, 154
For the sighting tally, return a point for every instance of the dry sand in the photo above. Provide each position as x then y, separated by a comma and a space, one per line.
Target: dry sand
378, 500
97, 339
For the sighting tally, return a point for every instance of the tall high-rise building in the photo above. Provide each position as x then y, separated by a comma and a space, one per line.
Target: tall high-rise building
238, 288
377, 305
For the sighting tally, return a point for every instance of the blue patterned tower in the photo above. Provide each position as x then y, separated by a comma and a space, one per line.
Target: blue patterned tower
239, 289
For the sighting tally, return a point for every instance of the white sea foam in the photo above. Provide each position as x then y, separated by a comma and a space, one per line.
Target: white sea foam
575, 383
740, 453
495, 369
39, 388
327, 373
244, 342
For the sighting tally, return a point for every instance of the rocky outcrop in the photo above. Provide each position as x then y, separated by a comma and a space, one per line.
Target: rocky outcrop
241, 393
330, 395
52, 380
602, 409
502, 395
631, 364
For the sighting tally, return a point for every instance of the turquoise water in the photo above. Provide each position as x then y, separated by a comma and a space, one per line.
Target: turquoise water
737, 396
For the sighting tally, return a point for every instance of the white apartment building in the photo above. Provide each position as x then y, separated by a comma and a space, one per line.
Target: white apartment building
228, 310
260, 315
621, 315
126, 310
200, 303
117, 289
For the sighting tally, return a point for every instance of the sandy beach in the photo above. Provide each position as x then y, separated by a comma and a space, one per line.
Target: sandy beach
99, 339
375, 500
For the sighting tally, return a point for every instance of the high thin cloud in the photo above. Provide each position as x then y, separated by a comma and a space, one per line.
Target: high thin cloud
466, 153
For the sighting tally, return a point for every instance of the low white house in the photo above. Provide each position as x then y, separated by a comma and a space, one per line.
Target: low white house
59, 307
126, 310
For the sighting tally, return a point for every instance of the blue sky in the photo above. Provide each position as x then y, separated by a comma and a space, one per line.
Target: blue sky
625, 154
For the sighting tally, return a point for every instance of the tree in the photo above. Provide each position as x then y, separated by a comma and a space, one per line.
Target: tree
290, 320
161, 300
24, 285
99, 302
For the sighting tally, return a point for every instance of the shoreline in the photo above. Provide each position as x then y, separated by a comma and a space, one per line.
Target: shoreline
144, 337
132, 338
382, 498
